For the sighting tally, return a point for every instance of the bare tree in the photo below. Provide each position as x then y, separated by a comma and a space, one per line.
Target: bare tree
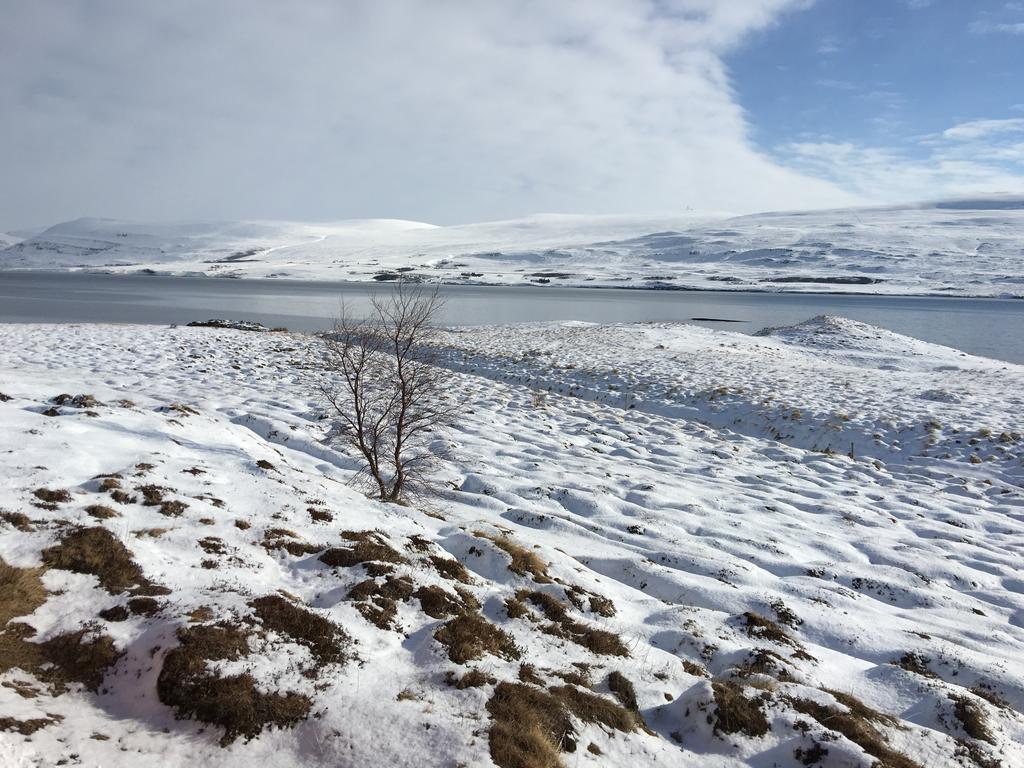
387, 395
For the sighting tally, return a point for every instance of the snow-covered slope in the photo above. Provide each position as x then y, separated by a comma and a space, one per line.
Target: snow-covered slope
958, 248
654, 545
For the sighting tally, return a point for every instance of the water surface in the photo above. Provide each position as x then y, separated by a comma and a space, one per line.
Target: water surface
989, 327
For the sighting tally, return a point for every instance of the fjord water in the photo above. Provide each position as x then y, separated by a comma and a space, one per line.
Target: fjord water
989, 327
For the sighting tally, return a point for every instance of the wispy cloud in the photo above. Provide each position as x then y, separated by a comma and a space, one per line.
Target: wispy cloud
976, 157
977, 129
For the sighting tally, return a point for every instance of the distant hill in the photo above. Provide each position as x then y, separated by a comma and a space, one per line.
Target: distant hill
956, 247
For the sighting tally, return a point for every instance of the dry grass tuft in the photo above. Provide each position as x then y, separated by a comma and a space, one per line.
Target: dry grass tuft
289, 541
856, 724
972, 718
101, 512
98, 552
368, 546
524, 562
49, 498
474, 678
325, 640
469, 636
378, 601
437, 603
19, 520
763, 628
564, 626
451, 569
623, 690
233, 703
735, 712
529, 727
28, 727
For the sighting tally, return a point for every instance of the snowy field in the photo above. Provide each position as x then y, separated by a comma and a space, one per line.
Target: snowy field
654, 545
961, 248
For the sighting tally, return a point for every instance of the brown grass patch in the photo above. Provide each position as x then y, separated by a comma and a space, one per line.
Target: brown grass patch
98, 552
19, 520
368, 546
856, 725
474, 678
735, 713
52, 496
152, 495
564, 626
172, 508
101, 512
289, 541
524, 562
437, 603
109, 484
325, 640
529, 727
451, 569
378, 601
763, 628
528, 674
122, 497
233, 703
916, 663
623, 690
972, 718
28, 727
319, 515
469, 636
592, 708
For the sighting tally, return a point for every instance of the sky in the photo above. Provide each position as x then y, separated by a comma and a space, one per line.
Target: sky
452, 111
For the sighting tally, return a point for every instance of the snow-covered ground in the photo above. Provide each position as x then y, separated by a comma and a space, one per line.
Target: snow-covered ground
802, 548
966, 248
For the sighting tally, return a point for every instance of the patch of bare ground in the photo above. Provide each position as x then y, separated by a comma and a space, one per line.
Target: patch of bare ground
367, 546
234, 703
530, 726
857, 722
469, 636
524, 562
735, 712
564, 626
326, 641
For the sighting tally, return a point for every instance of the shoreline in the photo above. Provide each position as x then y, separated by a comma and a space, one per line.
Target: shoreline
450, 284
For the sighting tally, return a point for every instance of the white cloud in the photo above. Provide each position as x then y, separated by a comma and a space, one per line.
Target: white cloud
441, 110
977, 129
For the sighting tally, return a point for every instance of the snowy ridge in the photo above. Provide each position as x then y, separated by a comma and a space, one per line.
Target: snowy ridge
768, 601
966, 248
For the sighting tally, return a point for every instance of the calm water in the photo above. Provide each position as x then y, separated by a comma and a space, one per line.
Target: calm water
990, 327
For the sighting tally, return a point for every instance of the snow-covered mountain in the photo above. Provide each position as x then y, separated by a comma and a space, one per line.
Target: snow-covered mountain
960, 247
